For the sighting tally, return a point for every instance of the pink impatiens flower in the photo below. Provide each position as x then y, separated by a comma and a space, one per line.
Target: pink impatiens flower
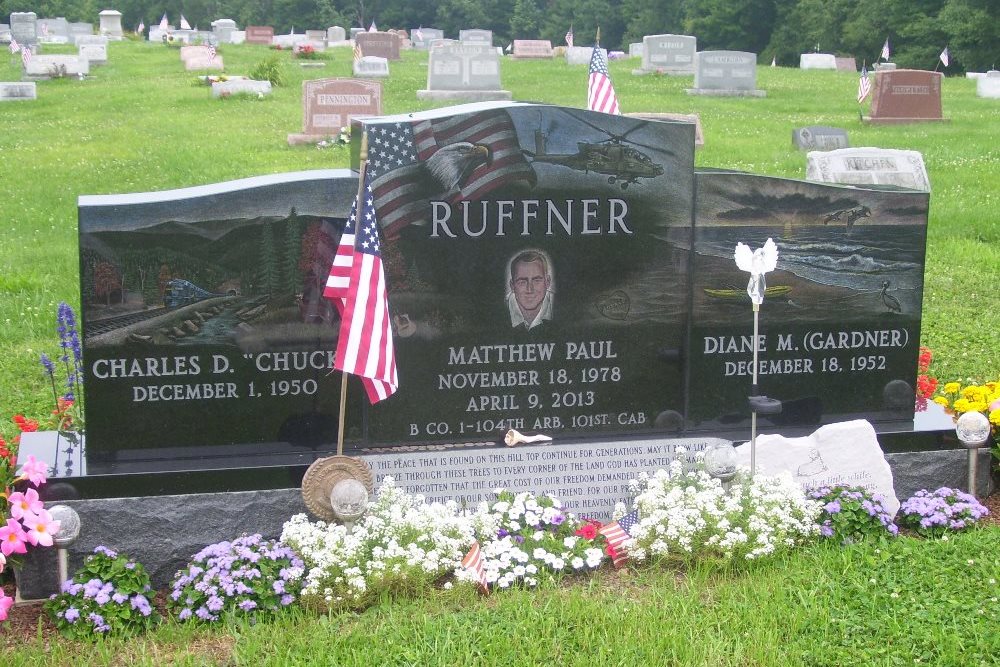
5, 604
12, 538
22, 503
41, 528
34, 471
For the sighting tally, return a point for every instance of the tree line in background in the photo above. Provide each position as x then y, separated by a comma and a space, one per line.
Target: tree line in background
918, 30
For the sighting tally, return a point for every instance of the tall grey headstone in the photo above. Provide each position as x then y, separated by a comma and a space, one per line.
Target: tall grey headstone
335, 34
53, 31
4, 33
726, 73
668, 54
988, 86
422, 37
111, 24
635, 50
224, 29
476, 37
463, 72
24, 28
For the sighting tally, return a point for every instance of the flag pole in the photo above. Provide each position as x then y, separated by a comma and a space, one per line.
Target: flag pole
362, 168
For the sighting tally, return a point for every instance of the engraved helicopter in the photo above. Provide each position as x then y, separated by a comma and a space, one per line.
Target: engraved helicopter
623, 164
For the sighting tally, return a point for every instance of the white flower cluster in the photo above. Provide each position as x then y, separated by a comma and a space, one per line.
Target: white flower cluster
525, 538
687, 513
401, 539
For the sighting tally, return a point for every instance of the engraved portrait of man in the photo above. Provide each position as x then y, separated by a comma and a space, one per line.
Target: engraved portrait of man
529, 289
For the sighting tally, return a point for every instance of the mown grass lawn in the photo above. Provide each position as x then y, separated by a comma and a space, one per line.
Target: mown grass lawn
883, 602
140, 124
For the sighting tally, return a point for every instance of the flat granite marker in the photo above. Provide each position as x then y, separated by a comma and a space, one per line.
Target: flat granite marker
47, 67
11, 91
725, 74
817, 61
906, 96
463, 72
875, 166
988, 85
846, 64
668, 54
699, 135
819, 137
371, 67
329, 104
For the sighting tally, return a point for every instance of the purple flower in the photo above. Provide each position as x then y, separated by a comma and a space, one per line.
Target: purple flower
247, 605
185, 614
502, 533
48, 364
119, 598
287, 600
102, 598
558, 519
832, 507
826, 531
101, 549
72, 614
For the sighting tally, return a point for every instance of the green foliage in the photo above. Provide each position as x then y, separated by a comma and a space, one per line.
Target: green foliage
110, 594
270, 69
852, 513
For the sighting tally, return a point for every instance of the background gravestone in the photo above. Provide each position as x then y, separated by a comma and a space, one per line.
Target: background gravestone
356, 31
841, 323
699, 135
96, 54
635, 50
847, 64
819, 137
371, 67
329, 104
77, 30
463, 71
317, 36
335, 34
476, 37
581, 55
726, 73
224, 29
53, 31
17, 90
241, 86
379, 44
817, 61
988, 86
863, 166
42, 67
23, 28
668, 54
533, 48
906, 96
111, 24
5, 33
259, 34
885, 67
422, 37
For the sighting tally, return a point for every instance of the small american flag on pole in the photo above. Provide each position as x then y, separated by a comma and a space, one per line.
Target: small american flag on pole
211, 51
600, 93
945, 58
864, 84
25, 55
569, 36
357, 52
14, 46
885, 50
356, 284
473, 563
139, 29
616, 533
184, 23
164, 24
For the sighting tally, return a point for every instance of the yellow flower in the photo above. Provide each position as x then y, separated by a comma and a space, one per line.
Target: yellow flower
995, 417
941, 400
952, 388
977, 406
961, 405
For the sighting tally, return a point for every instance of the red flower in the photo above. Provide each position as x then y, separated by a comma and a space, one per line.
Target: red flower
926, 386
610, 551
924, 359
26, 425
588, 531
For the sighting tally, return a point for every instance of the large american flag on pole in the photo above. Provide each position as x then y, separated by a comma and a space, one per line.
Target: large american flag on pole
617, 533
356, 284
864, 84
600, 93
397, 153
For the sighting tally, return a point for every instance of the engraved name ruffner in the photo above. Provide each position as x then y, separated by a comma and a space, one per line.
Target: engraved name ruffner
328, 99
911, 90
570, 217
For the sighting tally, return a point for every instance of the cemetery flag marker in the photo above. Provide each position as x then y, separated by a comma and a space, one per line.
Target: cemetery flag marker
616, 533
944, 58
184, 24
139, 29
864, 84
372, 27
569, 36
25, 56
164, 24
473, 562
14, 46
356, 285
885, 50
600, 93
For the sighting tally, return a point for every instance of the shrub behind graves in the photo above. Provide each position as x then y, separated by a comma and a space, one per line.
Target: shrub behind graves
270, 69
110, 594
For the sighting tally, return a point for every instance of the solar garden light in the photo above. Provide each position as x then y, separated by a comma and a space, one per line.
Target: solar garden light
973, 430
757, 262
720, 462
349, 499
69, 530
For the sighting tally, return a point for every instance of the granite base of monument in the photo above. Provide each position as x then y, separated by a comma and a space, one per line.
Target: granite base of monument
465, 95
711, 92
